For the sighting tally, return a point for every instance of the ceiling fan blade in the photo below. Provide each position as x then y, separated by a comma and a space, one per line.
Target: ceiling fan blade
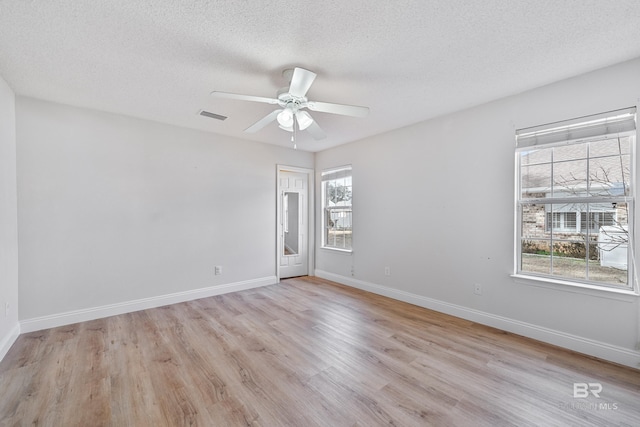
263, 122
240, 97
345, 110
301, 82
316, 132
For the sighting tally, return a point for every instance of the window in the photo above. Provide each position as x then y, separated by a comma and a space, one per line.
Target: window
337, 193
566, 221
561, 221
575, 200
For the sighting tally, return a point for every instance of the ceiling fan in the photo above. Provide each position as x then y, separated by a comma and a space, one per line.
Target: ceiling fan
292, 101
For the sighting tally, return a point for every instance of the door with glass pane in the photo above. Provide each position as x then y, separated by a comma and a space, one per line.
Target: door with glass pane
293, 224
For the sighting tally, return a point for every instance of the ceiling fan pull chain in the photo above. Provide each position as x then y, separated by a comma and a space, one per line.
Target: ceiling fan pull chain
293, 135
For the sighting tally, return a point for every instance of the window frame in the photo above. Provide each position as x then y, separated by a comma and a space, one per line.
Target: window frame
338, 173
631, 286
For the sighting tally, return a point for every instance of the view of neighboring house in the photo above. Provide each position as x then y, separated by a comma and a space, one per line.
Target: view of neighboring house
580, 189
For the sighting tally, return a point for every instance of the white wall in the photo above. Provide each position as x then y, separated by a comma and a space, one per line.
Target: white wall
114, 209
453, 178
9, 327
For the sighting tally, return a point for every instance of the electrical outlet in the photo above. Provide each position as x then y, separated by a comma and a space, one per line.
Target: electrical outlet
6, 309
387, 271
353, 271
218, 270
477, 289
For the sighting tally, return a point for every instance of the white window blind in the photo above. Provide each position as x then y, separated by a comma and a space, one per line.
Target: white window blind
614, 122
337, 173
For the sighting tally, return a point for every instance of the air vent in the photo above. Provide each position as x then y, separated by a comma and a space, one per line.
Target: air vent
212, 115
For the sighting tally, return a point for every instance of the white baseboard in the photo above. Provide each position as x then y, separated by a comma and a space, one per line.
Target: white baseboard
8, 340
83, 315
587, 346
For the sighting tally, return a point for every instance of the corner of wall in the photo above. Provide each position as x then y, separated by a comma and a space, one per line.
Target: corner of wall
7, 341
9, 326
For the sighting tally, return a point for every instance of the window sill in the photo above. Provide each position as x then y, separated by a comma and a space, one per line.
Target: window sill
628, 295
344, 251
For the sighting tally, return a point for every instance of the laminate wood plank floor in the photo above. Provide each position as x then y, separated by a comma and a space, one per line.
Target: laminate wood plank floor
304, 352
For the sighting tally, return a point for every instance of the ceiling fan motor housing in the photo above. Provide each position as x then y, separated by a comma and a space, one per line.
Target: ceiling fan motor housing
286, 100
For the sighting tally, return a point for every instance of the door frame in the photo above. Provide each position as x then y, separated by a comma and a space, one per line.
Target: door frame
310, 220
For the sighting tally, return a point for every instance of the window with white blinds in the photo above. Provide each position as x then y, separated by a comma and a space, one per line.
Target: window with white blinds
575, 200
337, 193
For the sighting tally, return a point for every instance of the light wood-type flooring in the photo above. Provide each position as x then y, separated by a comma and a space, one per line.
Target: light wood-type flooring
305, 352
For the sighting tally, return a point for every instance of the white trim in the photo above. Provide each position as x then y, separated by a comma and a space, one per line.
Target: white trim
340, 250
86, 314
331, 174
311, 220
8, 340
619, 294
587, 346
633, 288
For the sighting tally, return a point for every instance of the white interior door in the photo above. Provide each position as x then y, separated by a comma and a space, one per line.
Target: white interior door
293, 224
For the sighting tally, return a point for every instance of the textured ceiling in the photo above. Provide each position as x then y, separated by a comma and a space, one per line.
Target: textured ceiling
406, 60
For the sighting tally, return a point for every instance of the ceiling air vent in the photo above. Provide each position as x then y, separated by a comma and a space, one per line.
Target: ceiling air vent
212, 115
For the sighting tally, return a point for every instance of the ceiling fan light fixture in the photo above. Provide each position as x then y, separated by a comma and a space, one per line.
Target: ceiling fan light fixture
285, 118
304, 120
